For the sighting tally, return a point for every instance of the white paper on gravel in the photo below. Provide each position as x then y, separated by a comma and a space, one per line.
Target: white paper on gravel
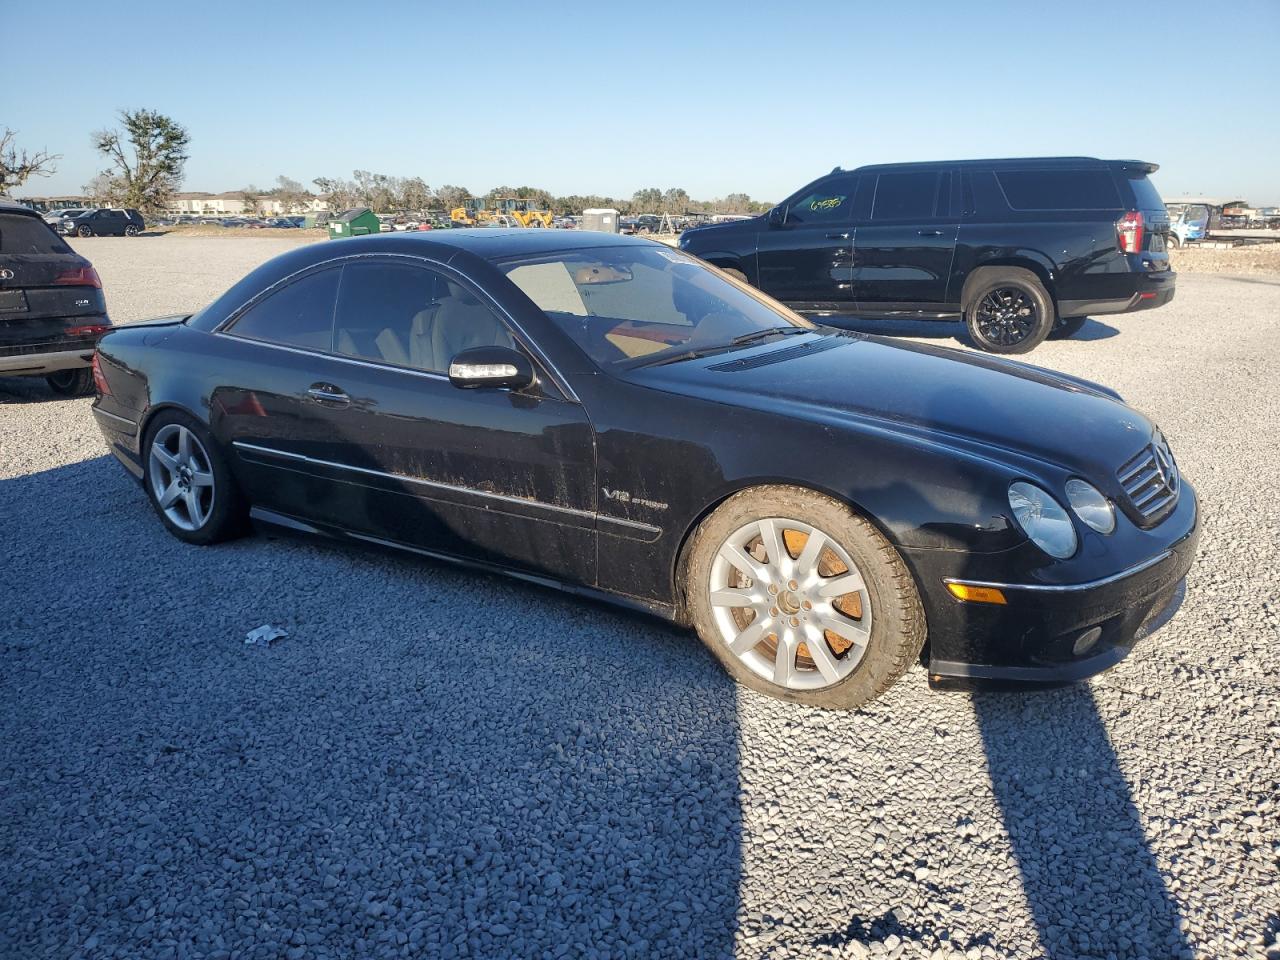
264, 635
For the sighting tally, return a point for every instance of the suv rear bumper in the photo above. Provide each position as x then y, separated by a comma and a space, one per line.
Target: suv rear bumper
1151, 290
42, 363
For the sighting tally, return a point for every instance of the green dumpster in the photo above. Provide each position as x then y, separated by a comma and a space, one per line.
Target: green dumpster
353, 223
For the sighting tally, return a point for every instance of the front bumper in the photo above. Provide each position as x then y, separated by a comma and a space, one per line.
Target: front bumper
1030, 641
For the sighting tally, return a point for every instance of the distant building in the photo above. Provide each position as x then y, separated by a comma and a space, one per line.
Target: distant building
231, 203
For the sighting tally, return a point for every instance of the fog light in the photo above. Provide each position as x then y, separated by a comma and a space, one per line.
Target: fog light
1086, 641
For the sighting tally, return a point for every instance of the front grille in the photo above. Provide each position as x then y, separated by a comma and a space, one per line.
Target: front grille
1150, 481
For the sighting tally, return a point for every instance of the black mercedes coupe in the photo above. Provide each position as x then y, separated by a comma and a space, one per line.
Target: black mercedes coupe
616, 418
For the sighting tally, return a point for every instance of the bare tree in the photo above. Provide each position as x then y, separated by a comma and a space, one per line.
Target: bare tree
18, 166
290, 193
159, 150
450, 196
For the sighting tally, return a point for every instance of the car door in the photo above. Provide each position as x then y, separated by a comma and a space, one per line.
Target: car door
804, 255
903, 249
395, 452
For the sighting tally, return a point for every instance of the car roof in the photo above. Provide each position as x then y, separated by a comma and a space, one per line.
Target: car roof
496, 243
1007, 162
12, 206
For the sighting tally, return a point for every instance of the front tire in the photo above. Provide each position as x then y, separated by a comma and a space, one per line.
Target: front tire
1008, 310
188, 482
736, 274
801, 599
71, 383
84, 231
131, 231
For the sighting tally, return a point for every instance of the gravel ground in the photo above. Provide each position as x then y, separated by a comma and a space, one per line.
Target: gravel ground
437, 763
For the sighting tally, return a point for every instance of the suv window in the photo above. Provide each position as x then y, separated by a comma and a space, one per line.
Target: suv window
829, 201
906, 196
23, 234
1145, 194
299, 315
1059, 189
410, 316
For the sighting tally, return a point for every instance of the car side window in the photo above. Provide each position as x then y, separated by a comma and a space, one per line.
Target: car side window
831, 201
297, 315
906, 196
411, 316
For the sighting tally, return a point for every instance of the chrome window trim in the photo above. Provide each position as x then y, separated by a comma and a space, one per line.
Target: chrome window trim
521, 335
1069, 587
437, 485
340, 357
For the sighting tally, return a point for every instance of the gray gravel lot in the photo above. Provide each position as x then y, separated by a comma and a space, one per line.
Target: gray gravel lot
437, 763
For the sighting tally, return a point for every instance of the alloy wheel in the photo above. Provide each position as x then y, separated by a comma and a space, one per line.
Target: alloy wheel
790, 603
182, 477
1006, 316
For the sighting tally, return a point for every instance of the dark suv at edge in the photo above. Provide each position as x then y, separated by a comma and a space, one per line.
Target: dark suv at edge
1018, 248
52, 311
104, 222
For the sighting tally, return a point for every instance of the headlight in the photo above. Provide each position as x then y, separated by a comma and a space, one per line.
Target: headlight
1091, 506
1042, 519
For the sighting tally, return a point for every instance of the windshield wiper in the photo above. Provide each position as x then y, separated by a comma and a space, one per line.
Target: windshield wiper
738, 341
755, 335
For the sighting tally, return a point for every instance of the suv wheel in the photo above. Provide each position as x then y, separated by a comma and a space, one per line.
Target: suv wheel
1008, 311
131, 231
84, 231
71, 383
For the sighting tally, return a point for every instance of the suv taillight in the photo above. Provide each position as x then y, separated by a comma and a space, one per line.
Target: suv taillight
1129, 232
84, 276
99, 381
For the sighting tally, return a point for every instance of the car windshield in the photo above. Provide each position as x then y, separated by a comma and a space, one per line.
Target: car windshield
630, 306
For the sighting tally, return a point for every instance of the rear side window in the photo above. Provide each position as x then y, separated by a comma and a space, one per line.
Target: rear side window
386, 313
1059, 189
1145, 194
299, 315
20, 234
907, 196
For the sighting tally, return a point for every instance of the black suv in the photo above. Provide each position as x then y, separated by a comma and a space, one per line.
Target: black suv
52, 313
1018, 248
104, 222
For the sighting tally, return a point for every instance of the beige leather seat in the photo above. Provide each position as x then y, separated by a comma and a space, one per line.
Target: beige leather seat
461, 323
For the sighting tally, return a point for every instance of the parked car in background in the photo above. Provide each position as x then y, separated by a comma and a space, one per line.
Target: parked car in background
612, 416
1020, 249
104, 222
55, 217
52, 311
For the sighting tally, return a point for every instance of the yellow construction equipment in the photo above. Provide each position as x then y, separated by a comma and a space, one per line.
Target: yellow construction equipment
522, 212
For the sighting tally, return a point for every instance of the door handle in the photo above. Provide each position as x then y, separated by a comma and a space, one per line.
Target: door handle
837, 236
928, 233
328, 393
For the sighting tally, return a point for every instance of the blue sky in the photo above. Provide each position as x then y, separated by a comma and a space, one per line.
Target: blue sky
607, 98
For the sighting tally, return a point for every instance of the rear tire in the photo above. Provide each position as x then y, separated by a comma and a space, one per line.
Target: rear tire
189, 483
131, 231
1068, 327
1008, 311
1171, 242
71, 383
761, 626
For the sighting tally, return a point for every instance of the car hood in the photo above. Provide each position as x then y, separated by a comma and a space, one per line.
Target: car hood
975, 401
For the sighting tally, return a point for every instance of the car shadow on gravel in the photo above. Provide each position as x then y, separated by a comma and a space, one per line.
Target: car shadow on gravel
433, 763
14, 390
1091, 880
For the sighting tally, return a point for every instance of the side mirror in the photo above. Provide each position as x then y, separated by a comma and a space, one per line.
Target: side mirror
777, 216
491, 367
